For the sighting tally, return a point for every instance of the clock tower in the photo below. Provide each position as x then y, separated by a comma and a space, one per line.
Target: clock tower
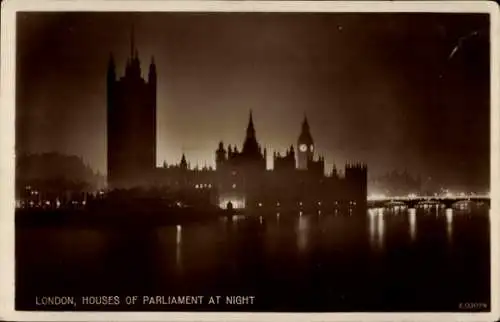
305, 146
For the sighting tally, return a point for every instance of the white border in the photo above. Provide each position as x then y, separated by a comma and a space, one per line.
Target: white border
8, 53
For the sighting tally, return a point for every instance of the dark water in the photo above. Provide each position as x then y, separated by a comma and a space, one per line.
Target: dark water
428, 260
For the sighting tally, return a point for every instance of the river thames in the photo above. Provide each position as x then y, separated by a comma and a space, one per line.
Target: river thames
429, 259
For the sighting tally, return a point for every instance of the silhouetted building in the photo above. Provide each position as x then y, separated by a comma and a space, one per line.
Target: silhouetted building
305, 144
240, 179
131, 123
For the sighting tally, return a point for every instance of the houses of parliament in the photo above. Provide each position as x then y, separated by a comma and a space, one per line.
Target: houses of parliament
240, 178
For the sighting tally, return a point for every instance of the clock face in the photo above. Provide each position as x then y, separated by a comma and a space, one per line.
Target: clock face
311, 147
303, 148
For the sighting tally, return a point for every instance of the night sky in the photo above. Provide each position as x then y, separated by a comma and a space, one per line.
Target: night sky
397, 91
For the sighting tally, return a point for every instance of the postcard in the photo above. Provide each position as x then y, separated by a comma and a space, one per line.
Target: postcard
216, 160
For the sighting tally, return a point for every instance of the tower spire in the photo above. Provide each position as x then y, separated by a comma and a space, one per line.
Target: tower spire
250, 127
305, 124
132, 42
251, 146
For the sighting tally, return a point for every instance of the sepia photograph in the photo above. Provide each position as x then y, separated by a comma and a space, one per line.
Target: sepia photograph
251, 159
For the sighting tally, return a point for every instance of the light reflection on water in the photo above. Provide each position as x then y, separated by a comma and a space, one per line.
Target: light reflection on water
376, 228
178, 248
380, 229
412, 219
308, 230
327, 251
302, 232
449, 224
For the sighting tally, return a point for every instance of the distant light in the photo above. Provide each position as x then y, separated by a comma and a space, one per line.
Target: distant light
210, 185
278, 204
260, 219
179, 227
32, 203
58, 203
47, 203
319, 203
300, 213
412, 195
84, 203
260, 204
375, 196
319, 212
300, 203
277, 214
196, 186
234, 185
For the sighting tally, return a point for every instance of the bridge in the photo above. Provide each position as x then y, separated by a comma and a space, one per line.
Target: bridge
413, 201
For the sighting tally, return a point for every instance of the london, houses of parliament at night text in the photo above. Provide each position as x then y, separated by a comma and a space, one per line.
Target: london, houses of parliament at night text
240, 177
